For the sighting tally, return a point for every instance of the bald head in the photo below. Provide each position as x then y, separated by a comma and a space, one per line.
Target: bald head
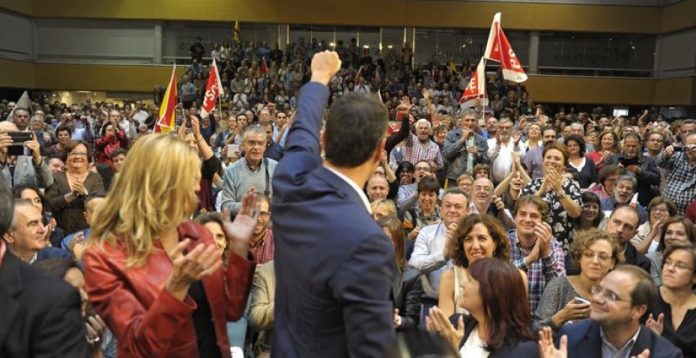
377, 188
7, 126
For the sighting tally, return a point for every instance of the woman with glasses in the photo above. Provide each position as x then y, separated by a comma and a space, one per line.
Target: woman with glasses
674, 315
567, 299
676, 230
648, 236
66, 196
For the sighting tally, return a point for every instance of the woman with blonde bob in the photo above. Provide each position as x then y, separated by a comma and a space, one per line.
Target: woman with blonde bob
154, 276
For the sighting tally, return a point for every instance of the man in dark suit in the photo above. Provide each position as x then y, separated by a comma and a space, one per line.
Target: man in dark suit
40, 314
623, 224
622, 298
332, 261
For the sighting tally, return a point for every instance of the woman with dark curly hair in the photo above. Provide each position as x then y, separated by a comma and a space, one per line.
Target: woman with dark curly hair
477, 237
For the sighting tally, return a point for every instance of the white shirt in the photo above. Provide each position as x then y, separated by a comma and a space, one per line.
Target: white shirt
474, 346
428, 252
355, 187
502, 164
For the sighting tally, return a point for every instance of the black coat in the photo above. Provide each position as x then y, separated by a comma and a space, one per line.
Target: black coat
408, 290
39, 315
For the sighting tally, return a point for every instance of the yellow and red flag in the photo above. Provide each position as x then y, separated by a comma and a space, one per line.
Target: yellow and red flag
166, 119
237, 32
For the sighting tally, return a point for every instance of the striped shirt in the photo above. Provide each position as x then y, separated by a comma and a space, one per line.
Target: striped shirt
429, 151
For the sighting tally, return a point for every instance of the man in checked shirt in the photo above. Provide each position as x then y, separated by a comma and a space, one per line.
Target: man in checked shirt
680, 187
534, 250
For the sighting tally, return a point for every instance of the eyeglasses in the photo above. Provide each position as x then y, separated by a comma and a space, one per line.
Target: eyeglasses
609, 295
677, 265
599, 255
77, 154
264, 214
422, 169
256, 143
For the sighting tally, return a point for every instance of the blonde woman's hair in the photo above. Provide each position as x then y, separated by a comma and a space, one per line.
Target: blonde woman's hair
152, 194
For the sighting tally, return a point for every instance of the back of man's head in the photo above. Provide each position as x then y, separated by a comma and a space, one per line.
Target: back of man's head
356, 125
6, 207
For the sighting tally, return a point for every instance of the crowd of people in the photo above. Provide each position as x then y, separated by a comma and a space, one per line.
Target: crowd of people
274, 225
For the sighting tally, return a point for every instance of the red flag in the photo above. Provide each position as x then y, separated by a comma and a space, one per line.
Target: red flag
498, 49
475, 92
166, 121
264, 67
213, 90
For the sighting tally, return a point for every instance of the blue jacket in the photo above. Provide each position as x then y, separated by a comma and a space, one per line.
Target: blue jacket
333, 263
584, 340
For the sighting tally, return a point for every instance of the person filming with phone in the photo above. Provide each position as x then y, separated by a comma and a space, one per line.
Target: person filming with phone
680, 186
17, 167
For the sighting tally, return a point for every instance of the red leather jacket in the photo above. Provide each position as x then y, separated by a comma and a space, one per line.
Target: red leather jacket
145, 318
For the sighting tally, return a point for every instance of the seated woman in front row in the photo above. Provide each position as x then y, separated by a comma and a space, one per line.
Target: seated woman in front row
499, 325
567, 299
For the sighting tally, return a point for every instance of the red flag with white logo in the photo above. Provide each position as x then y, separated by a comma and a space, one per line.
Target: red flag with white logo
475, 93
213, 90
498, 49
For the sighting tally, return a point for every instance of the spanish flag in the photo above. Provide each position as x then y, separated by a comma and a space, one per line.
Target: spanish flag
166, 119
237, 32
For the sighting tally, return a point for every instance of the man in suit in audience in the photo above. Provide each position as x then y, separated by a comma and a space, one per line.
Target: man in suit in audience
623, 224
40, 315
333, 263
621, 299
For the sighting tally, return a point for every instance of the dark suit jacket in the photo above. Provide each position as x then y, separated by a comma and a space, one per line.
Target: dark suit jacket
39, 314
633, 257
584, 340
333, 263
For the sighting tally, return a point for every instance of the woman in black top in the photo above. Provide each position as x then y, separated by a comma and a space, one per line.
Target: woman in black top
674, 314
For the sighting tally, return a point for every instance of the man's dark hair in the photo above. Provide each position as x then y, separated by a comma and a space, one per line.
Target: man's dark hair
645, 292
64, 129
6, 207
428, 185
117, 152
355, 127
